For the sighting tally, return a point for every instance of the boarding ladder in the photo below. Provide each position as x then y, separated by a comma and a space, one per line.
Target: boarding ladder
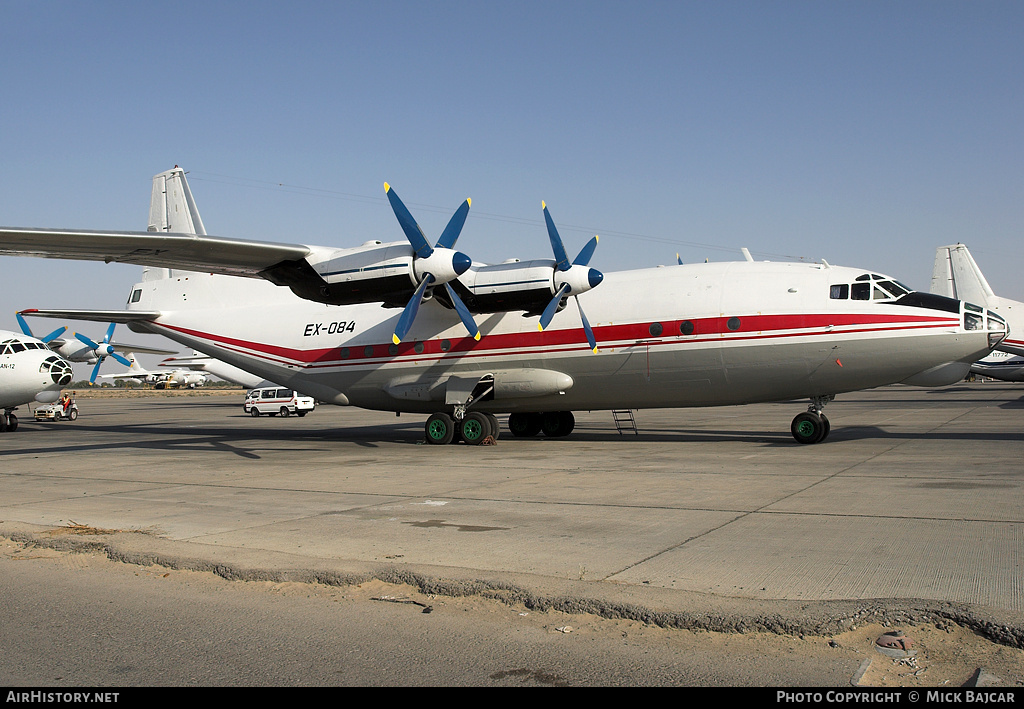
624, 421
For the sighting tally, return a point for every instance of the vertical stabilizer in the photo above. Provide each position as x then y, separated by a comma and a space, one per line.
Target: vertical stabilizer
172, 210
955, 274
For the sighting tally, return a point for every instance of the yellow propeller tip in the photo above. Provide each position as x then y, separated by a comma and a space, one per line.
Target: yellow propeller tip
543, 205
387, 187
469, 201
477, 336
540, 328
394, 338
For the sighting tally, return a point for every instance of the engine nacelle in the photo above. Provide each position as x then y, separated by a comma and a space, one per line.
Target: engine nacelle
373, 272
515, 285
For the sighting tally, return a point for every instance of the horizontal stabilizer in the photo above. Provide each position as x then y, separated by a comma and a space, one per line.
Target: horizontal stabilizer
106, 316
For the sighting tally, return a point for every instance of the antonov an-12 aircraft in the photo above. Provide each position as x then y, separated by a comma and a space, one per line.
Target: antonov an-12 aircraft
416, 326
29, 371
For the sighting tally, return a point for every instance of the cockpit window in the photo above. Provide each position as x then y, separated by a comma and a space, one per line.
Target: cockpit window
860, 291
894, 288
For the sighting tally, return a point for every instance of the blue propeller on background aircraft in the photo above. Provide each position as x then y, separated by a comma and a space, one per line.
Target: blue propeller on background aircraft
570, 278
102, 351
435, 265
28, 331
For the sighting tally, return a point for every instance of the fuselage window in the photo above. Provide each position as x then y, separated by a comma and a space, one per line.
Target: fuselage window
136, 295
686, 328
368, 351
655, 329
839, 292
344, 352
973, 322
733, 324
860, 291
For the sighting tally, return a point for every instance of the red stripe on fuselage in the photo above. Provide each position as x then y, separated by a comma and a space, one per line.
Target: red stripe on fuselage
751, 327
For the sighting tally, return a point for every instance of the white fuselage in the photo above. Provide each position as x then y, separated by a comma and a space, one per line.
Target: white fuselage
760, 332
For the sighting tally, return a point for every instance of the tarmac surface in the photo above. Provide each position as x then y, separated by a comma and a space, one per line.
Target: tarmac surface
710, 519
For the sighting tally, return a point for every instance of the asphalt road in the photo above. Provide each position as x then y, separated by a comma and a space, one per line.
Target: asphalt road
706, 521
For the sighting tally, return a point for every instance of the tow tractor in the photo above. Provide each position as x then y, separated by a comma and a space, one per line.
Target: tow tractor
64, 409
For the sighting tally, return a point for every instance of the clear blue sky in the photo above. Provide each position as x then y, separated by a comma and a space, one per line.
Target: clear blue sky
865, 133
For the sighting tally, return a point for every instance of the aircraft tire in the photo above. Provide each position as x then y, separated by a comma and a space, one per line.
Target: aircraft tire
495, 426
808, 427
828, 427
440, 429
524, 425
557, 424
475, 428
3, 422
12, 423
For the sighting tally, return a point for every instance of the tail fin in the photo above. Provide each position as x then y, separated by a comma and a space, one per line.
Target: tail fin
172, 209
956, 275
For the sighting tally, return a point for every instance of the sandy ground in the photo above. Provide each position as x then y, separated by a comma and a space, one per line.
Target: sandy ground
942, 655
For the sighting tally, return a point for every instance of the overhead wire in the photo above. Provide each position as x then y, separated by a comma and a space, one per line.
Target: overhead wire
270, 185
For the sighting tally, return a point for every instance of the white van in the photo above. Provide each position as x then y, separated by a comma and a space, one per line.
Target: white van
276, 400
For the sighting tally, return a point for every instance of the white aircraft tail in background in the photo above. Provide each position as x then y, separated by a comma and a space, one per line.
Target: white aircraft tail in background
955, 274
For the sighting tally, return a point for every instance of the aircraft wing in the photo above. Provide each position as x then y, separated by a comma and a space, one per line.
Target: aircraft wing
190, 252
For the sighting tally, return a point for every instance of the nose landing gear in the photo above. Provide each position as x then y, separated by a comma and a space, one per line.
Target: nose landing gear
812, 426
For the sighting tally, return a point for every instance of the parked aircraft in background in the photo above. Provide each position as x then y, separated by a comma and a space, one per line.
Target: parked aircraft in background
199, 362
80, 348
169, 379
1000, 365
29, 371
410, 327
956, 274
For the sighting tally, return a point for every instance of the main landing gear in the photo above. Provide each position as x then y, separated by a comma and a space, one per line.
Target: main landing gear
812, 426
8, 421
475, 427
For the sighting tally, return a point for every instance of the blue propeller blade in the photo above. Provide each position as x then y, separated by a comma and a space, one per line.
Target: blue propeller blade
110, 333
412, 230
549, 311
28, 331
85, 340
583, 258
586, 327
561, 258
95, 371
123, 360
55, 334
464, 315
25, 329
409, 314
454, 228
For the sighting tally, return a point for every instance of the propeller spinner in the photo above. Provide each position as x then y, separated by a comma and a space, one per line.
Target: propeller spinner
102, 351
570, 278
437, 265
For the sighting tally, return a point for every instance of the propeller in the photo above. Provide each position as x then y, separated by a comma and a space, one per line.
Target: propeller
437, 265
102, 351
570, 278
28, 331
